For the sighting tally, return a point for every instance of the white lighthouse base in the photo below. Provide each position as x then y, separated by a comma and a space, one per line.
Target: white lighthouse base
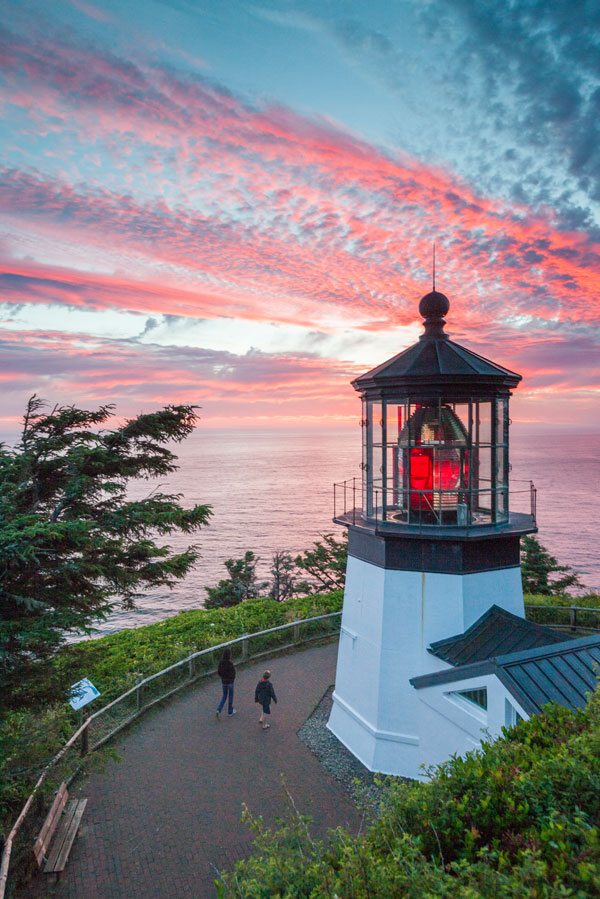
389, 619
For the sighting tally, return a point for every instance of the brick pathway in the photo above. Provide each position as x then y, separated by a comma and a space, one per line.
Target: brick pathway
159, 822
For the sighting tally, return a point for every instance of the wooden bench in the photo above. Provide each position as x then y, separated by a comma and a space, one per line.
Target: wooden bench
62, 823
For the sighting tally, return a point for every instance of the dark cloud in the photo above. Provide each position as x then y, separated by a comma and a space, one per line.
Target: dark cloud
506, 93
355, 36
540, 64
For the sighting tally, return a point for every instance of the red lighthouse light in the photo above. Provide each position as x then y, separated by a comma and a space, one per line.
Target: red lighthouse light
432, 459
421, 478
433, 469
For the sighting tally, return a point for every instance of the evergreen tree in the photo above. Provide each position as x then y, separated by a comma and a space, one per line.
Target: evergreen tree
538, 570
72, 545
325, 563
241, 584
283, 585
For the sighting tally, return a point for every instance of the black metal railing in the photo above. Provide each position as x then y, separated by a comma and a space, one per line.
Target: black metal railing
344, 499
433, 507
571, 619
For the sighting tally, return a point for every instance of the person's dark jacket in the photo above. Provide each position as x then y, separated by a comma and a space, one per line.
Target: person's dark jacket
226, 671
264, 692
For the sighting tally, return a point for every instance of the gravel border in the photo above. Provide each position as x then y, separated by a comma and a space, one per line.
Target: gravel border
356, 779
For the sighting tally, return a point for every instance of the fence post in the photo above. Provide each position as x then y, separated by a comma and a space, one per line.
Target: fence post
139, 693
296, 633
245, 643
573, 617
191, 667
85, 736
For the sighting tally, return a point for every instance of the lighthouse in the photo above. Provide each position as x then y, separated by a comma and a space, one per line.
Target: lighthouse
433, 558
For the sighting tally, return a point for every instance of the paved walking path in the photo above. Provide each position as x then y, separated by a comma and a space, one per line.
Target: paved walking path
162, 820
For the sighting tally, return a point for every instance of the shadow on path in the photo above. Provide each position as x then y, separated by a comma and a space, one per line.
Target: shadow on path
163, 820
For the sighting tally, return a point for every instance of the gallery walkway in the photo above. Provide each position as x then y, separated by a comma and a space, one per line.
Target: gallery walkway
161, 822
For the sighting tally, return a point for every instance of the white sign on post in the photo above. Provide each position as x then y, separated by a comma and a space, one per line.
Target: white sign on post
82, 693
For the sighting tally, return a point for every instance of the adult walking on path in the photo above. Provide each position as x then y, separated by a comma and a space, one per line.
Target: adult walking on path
226, 671
165, 818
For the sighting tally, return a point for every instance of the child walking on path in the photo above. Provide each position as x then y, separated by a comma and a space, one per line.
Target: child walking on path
263, 694
226, 671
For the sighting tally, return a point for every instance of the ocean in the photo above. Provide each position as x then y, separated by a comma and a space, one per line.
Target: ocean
272, 490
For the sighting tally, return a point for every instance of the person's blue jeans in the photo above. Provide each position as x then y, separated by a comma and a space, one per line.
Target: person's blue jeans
227, 695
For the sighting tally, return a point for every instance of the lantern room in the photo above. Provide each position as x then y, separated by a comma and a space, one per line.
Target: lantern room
435, 433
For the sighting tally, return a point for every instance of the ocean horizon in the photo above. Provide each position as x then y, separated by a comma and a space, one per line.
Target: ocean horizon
272, 490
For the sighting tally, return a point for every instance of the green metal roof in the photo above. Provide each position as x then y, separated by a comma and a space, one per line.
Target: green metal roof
564, 673
497, 632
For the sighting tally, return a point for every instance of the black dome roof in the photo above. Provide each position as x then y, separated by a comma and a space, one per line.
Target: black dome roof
434, 305
436, 364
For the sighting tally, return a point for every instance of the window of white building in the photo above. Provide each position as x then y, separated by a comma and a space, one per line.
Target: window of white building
477, 697
511, 716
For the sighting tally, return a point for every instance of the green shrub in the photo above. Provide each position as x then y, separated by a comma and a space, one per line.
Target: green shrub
589, 601
28, 740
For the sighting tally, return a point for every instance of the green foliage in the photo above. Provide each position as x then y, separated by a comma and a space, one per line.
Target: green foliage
284, 582
557, 611
27, 743
325, 564
539, 570
114, 663
517, 819
588, 601
240, 586
71, 543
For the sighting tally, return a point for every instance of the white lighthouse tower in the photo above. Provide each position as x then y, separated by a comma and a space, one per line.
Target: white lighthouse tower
432, 550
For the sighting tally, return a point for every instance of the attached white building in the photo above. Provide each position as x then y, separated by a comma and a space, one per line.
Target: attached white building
501, 670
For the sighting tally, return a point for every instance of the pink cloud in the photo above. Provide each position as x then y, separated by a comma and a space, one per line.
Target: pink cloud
227, 386
224, 207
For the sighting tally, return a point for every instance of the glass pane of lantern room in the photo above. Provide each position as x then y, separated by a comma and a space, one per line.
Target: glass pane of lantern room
367, 422
393, 485
502, 505
483, 481
502, 421
417, 466
483, 422
461, 410
395, 417
485, 467
501, 467
377, 479
375, 471
394, 420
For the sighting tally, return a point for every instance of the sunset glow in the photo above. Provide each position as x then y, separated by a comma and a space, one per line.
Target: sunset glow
172, 231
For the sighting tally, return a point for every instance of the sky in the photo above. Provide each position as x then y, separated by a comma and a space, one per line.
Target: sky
233, 204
